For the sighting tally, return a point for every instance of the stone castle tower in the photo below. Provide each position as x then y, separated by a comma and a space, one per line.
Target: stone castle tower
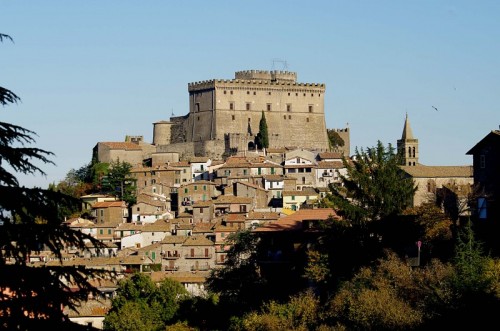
408, 146
224, 115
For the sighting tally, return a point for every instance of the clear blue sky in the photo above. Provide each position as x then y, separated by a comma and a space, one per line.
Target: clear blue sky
90, 71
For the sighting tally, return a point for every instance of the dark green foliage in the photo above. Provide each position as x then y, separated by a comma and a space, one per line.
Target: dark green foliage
334, 139
119, 183
470, 262
31, 220
373, 191
238, 283
374, 187
141, 304
262, 139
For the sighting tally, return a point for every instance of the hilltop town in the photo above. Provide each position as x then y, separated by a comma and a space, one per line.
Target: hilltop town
205, 176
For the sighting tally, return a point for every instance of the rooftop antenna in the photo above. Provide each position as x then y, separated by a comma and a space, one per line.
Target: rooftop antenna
283, 64
173, 112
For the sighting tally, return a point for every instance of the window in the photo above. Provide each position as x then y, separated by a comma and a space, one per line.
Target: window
230, 92
196, 187
284, 117
244, 171
243, 208
233, 117
197, 107
102, 212
231, 106
225, 92
482, 161
248, 106
254, 93
153, 181
268, 107
288, 93
288, 107
310, 108
248, 92
201, 210
138, 209
293, 197
109, 231
296, 94
184, 170
307, 119
268, 93
204, 187
186, 190
289, 117
101, 231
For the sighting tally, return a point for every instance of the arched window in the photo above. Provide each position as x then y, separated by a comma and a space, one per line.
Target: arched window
413, 151
409, 151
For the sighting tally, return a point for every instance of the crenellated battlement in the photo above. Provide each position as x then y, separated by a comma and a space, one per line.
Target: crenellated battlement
255, 77
274, 75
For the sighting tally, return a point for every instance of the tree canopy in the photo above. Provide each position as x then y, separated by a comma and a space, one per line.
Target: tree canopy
374, 186
31, 220
262, 139
142, 305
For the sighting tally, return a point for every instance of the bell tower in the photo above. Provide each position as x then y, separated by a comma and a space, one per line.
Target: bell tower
408, 146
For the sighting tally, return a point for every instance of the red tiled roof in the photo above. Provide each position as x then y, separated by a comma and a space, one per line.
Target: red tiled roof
294, 222
330, 155
330, 164
107, 204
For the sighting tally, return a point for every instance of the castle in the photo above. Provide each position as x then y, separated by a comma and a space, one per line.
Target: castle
224, 118
224, 115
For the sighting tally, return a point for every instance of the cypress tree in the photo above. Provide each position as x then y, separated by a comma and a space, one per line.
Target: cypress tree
263, 136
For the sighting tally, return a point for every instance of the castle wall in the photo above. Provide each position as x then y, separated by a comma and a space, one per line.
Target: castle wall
213, 149
162, 132
345, 135
294, 111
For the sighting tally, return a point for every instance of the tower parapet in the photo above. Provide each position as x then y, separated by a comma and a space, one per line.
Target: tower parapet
274, 75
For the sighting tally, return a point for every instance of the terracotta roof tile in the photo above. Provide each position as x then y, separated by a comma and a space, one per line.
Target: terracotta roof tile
174, 239
107, 204
293, 222
438, 171
231, 199
331, 164
198, 240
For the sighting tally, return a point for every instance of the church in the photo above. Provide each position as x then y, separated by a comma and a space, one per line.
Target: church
445, 185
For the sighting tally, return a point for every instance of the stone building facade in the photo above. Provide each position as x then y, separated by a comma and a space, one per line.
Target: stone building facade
224, 115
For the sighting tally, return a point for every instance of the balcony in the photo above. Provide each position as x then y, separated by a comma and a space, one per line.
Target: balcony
171, 268
198, 256
204, 267
171, 256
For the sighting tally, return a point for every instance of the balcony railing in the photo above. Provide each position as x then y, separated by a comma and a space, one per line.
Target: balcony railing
169, 268
171, 256
200, 267
198, 256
